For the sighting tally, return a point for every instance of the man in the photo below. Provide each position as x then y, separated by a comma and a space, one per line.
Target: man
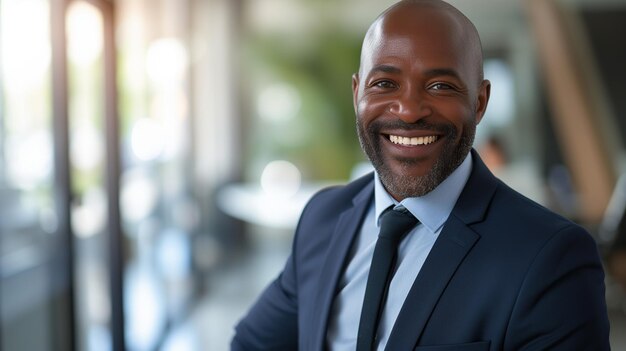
483, 269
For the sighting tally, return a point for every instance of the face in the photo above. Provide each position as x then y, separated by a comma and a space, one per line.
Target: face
418, 98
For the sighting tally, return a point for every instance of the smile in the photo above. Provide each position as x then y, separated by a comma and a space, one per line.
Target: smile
426, 140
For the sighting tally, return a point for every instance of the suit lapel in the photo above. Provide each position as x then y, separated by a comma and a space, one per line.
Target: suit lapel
336, 258
454, 243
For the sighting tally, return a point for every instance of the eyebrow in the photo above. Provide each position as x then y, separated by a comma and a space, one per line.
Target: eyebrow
442, 72
385, 69
429, 73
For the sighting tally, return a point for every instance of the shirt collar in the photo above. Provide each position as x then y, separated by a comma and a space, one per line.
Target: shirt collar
432, 209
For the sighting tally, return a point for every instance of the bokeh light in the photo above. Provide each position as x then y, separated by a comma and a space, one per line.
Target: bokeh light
281, 179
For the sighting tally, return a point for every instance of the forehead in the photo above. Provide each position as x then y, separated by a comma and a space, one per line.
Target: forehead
419, 37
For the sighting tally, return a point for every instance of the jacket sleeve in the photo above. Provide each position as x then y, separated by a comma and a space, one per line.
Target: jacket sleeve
561, 303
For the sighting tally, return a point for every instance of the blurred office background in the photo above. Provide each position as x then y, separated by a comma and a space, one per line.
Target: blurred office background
155, 154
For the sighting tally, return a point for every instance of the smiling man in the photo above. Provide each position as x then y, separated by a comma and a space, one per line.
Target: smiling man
418, 98
431, 251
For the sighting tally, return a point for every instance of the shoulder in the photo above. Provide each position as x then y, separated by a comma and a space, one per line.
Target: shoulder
523, 213
522, 230
336, 199
494, 209
318, 223
510, 222
323, 211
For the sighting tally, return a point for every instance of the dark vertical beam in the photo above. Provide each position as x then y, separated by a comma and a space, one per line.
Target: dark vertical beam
62, 176
113, 170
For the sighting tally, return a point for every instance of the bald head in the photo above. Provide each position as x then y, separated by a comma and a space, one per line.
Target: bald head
409, 5
414, 18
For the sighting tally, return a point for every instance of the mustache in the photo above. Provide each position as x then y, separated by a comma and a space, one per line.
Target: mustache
378, 125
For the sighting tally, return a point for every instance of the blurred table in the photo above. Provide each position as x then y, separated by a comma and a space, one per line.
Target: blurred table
252, 204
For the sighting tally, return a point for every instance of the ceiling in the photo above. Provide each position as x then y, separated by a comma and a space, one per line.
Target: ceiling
496, 20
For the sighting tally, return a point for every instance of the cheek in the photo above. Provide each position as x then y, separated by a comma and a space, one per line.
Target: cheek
460, 116
369, 109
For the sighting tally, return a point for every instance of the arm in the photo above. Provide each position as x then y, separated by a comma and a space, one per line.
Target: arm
273, 322
561, 304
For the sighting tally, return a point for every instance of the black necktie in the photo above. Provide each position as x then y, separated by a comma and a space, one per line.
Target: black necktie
394, 225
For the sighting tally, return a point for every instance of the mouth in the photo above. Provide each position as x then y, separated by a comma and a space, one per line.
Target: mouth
413, 141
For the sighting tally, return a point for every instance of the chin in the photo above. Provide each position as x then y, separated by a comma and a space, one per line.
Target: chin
411, 168
411, 178
404, 184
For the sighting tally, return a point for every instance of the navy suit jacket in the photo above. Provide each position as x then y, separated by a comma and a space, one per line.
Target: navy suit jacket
504, 274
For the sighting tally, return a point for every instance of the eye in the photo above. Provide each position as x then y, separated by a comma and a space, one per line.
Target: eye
384, 84
441, 86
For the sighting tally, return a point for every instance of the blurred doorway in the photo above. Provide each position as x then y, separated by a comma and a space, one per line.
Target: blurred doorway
59, 169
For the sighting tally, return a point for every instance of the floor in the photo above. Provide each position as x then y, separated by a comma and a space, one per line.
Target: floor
210, 326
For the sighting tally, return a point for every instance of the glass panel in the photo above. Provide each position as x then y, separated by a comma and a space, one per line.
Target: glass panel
159, 215
87, 156
32, 284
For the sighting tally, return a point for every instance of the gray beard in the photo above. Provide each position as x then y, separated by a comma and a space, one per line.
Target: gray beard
404, 186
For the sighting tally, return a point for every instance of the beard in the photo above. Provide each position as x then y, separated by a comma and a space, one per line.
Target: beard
403, 185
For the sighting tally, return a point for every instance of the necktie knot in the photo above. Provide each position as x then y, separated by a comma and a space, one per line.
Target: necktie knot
394, 224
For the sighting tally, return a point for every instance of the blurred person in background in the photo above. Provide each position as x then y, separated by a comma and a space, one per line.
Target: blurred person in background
474, 266
520, 175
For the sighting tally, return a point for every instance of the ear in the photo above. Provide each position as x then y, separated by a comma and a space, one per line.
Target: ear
355, 89
484, 91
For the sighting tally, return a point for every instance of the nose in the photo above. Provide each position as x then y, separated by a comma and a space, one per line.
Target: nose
410, 105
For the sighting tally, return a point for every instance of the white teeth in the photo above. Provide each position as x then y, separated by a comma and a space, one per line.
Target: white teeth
413, 141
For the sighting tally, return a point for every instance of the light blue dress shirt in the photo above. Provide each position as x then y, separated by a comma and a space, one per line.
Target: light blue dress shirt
432, 210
